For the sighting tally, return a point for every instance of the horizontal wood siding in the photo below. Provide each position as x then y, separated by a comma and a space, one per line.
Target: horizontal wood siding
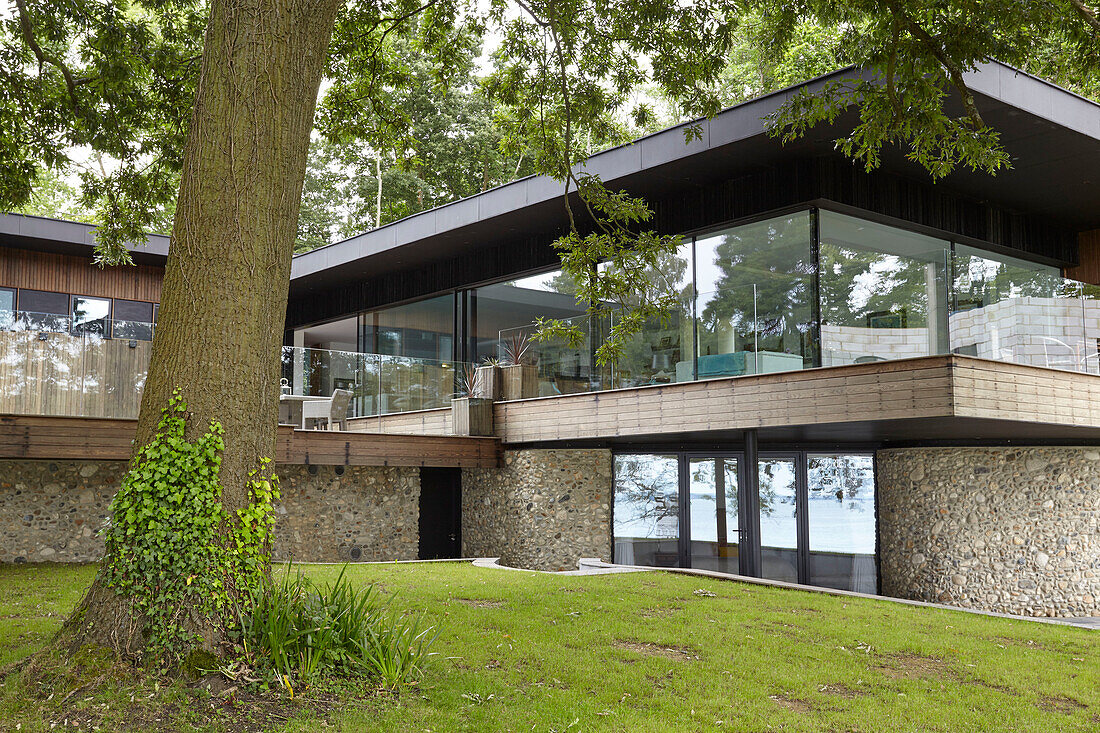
78, 438
882, 391
927, 387
990, 389
422, 422
21, 268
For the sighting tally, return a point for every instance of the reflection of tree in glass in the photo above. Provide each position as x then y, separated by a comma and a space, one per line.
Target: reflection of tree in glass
840, 477
765, 289
703, 475
649, 485
670, 274
978, 281
775, 489
856, 283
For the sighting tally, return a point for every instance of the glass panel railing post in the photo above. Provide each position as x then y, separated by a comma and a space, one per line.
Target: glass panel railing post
755, 332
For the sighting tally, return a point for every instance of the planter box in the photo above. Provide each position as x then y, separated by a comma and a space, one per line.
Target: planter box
521, 381
487, 382
471, 416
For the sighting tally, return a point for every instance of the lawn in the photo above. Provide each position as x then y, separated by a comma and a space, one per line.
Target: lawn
635, 652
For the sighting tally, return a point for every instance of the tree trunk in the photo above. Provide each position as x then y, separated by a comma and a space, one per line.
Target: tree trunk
223, 305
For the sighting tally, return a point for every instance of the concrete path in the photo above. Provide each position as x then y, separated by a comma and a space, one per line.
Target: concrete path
595, 566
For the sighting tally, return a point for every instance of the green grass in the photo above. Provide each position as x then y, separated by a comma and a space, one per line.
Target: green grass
645, 652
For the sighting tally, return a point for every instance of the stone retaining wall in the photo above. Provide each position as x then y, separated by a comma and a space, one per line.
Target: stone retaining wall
1013, 530
543, 510
51, 511
342, 514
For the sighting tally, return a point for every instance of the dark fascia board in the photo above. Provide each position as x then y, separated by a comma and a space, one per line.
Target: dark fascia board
1036, 96
70, 237
995, 80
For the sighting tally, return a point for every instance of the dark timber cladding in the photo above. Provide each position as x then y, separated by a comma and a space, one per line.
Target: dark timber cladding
77, 438
779, 186
735, 170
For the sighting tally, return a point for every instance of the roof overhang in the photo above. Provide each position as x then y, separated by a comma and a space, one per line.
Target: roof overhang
1052, 136
71, 238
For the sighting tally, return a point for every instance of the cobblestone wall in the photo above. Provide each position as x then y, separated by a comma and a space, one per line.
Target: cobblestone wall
344, 514
1014, 530
543, 510
52, 510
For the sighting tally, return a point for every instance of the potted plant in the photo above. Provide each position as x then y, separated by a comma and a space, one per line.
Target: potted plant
470, 414
488, 380
520, 374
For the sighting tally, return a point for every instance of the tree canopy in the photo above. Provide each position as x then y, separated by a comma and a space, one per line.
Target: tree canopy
113, 81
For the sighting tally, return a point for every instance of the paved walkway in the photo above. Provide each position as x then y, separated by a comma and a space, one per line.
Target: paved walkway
595, 566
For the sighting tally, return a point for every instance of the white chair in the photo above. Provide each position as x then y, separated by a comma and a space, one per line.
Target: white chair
331, 411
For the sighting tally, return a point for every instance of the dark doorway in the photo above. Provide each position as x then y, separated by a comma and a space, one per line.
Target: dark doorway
440, 513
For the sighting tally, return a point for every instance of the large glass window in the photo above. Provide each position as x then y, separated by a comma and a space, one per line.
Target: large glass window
325, 359
506, 312
1012, 310
91, 316
646, 514
133, 319
7, 308
755, 298
883, 291
662, 351
423, 330
841, 513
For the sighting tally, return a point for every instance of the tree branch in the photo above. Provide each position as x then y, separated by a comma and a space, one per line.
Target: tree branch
953, 69
27, 27
1086, 14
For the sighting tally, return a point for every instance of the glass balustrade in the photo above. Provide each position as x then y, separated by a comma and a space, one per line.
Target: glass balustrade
52, 364
379, 384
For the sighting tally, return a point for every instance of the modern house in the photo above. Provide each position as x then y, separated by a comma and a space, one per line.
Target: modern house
872, 381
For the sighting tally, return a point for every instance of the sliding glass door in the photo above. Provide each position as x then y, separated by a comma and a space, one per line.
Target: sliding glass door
811, 520
777, 505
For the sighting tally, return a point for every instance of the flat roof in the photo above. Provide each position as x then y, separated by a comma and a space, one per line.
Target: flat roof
1050, 133
43, 234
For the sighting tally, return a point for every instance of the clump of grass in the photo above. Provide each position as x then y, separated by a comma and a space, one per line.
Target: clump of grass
294, 632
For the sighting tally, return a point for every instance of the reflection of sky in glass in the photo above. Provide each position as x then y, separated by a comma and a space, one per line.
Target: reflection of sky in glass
703, 507
536, 282
844, 523
842, 503
646, 489
777, 495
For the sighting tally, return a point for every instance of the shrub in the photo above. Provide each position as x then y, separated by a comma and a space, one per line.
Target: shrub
295, 632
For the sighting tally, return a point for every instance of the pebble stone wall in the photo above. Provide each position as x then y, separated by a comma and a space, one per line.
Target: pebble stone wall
542, 510
51, 511
1012, 530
